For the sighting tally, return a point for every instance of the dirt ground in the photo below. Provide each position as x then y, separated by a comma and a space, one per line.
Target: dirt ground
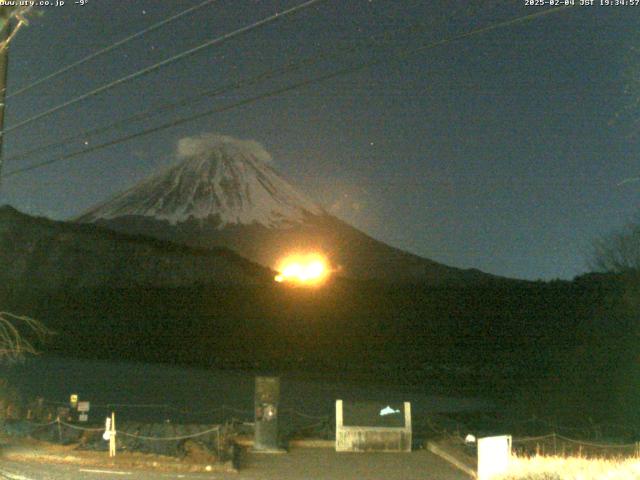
35, 451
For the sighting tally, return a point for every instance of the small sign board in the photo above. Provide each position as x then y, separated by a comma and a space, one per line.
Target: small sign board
84, 406
83, 417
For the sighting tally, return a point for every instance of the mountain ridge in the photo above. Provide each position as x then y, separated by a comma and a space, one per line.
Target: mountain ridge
47, 254
224, 193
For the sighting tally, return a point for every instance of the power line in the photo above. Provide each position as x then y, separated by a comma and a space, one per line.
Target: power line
164, 63
277, 92
282, 90
211, 93
111, 47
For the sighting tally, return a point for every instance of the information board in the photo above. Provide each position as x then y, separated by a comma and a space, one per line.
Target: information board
373, 414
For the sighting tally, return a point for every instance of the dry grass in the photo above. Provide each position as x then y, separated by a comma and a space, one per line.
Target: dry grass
572, 468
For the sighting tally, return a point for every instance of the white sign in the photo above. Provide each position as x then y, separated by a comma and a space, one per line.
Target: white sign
84, 406
107, 429
494, 454
83, 417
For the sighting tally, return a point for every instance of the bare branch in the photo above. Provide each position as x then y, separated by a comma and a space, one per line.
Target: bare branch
17, 334
618, 252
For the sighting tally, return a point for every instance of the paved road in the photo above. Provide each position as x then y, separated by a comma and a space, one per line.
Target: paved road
326, 464
298, 464
10, 470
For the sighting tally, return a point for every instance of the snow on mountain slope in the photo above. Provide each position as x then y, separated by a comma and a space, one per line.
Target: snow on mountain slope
219, 177
224, 193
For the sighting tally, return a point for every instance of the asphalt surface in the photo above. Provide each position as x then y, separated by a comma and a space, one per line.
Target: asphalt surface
304, 464
10, 470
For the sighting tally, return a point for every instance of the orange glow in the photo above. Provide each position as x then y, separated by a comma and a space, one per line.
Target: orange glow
307, 269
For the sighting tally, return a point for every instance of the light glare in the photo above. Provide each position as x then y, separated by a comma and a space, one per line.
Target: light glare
310, 269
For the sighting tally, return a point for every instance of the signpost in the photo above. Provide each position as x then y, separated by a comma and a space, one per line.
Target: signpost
112, 437
110, 433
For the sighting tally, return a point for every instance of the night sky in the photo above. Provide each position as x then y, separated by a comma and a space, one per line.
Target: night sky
508, 150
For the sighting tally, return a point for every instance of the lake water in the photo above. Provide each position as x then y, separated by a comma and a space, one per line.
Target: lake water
156, 392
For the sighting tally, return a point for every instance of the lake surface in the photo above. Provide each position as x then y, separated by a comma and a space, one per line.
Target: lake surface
156, 392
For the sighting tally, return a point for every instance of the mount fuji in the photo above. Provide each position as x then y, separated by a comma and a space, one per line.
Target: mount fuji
220, 180
223, 192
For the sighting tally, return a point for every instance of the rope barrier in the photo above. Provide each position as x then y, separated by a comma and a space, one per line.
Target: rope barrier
548, 436
142, 437
572, 440
598, 445
324, 419
180, 437
585, 428
313, 425
76, 427
532, 439
161, 406
43, 424
185, 411
306, 415
121, 432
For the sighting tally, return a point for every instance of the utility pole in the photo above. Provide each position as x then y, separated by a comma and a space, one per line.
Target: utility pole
5, 35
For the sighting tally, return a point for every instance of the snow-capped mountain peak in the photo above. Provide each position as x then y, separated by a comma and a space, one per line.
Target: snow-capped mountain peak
218, 177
